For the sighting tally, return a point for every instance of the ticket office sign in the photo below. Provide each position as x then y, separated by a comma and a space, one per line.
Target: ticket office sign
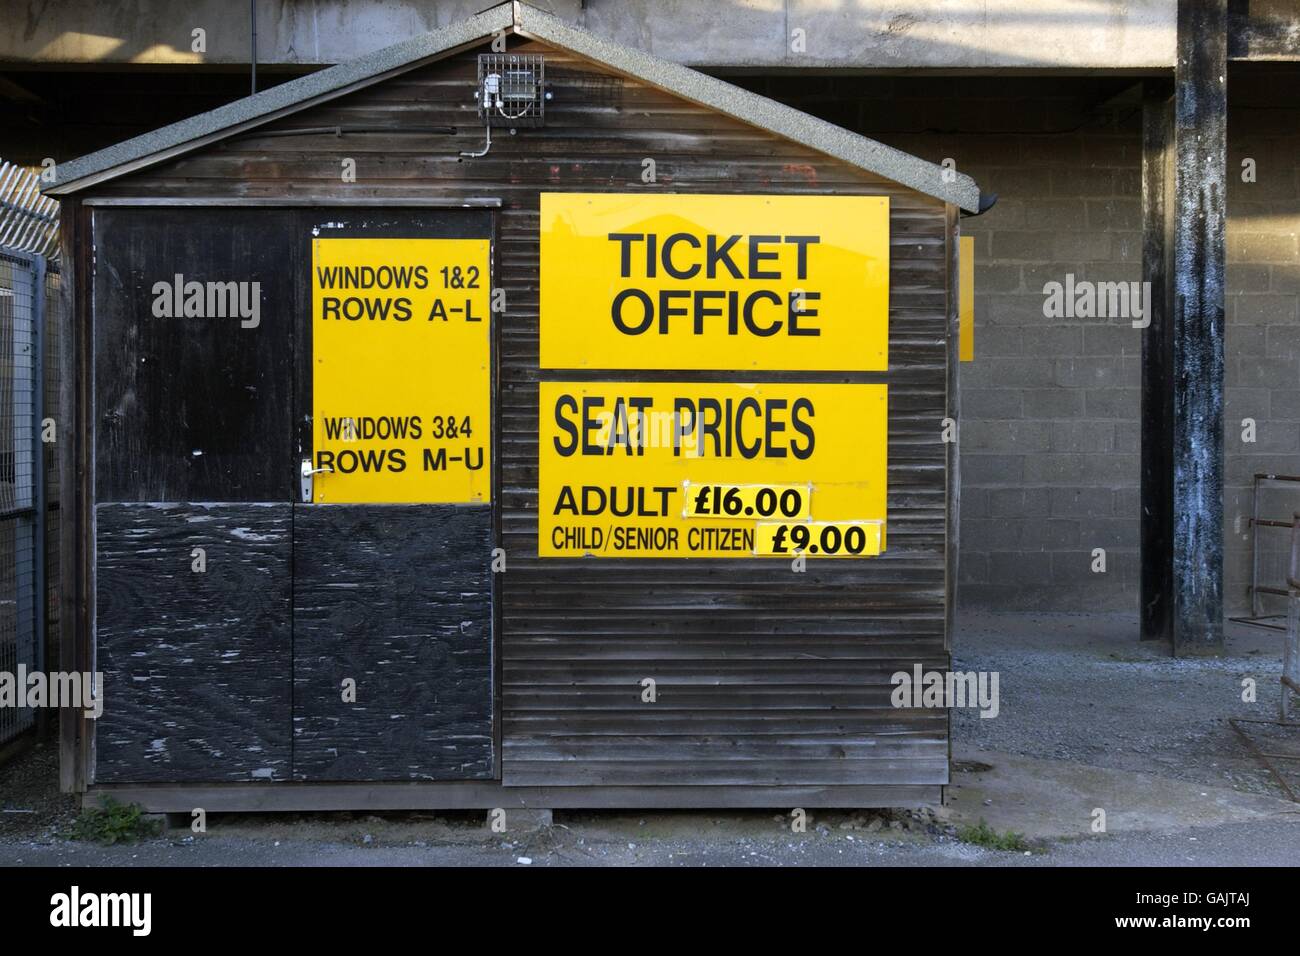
727, 283
711, 470
401, 371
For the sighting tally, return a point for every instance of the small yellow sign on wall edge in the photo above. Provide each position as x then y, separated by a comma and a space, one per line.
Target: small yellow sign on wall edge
966, 298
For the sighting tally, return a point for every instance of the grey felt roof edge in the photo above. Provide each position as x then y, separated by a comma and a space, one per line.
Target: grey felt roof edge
682, 81
269, 104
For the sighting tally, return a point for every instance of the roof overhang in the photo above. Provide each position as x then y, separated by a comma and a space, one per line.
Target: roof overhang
272, 104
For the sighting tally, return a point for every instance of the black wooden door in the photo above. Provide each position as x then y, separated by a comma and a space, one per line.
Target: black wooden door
393, 539
194, 335
243, 633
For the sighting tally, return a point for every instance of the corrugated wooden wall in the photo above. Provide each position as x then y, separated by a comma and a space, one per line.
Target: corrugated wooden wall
764, 676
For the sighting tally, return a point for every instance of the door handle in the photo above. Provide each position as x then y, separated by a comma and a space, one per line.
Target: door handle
306, 475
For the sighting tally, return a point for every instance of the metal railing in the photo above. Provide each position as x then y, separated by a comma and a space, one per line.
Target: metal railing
29, 221
1273, 742
1260, 616
1291, 649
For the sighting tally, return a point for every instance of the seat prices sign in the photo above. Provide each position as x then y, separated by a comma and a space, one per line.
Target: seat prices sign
781, 283
711, 470
401, 371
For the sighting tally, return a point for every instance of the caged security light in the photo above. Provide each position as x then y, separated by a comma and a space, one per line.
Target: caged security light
510, 93
511, 89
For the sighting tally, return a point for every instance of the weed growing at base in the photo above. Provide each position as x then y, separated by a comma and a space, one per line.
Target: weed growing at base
112, 822
985, 836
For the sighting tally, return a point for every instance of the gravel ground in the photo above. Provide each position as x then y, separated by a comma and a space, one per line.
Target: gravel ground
30, 803
1083, 688
1246, 844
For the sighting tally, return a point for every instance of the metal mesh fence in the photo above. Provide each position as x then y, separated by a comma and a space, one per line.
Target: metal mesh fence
19, 648
29, 392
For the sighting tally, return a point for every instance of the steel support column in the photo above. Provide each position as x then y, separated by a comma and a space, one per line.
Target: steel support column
1184, 174
1157, 364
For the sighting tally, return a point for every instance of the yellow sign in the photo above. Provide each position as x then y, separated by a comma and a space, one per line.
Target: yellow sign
966, 298
401, 370
787, 502
824, 539
714, 282
618, 460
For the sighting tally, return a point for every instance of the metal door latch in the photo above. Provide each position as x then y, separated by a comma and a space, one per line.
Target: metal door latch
307, 472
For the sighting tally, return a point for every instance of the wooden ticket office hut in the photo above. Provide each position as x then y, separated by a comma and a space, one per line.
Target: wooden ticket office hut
228, 607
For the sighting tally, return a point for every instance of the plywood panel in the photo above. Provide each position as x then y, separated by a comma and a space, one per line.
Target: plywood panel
196, 664
398, 600
195, 407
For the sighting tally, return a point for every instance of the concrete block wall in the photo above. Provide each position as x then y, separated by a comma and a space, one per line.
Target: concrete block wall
1050, 407
1262, 345
1049, 428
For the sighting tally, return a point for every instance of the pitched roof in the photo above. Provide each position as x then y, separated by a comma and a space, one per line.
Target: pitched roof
197, 131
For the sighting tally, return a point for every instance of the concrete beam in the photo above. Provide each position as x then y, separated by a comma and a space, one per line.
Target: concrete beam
162, 32
1263, 30
758, 34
